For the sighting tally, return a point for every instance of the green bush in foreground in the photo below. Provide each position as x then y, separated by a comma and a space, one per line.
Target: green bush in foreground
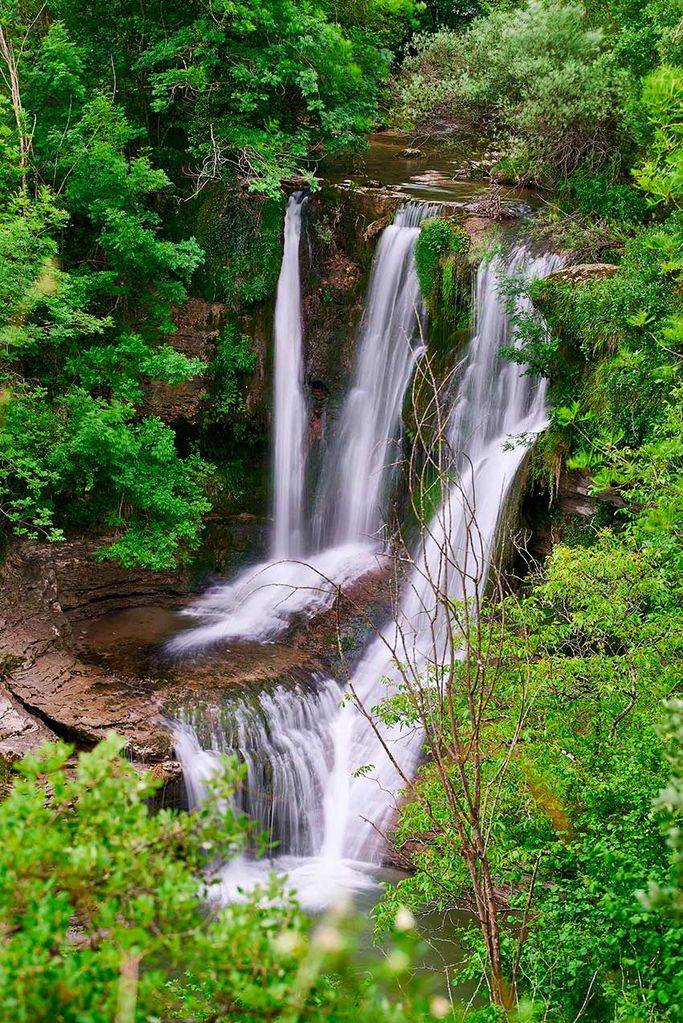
102, 914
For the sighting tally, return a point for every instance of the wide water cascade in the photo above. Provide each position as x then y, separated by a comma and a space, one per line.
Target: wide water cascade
496, 412
303, 577
283, 738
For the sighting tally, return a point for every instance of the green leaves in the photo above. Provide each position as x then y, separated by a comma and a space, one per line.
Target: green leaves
441, 260
661, 176
261, 86
89, 456
539, 74
101, 898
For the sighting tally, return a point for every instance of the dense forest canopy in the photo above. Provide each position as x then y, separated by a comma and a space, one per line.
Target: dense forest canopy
124, 126
114, 116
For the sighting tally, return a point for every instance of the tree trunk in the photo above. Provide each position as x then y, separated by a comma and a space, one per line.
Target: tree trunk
7, 53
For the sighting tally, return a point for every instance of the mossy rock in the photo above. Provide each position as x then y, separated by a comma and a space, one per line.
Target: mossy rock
241, 235
442, 259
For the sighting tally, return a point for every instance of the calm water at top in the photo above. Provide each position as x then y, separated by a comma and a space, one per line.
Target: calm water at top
429, 176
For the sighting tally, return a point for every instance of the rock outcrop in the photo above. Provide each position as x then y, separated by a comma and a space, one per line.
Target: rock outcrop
198, 326
45, 689
583, 273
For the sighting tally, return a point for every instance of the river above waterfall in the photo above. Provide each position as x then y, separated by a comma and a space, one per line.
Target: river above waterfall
436, 174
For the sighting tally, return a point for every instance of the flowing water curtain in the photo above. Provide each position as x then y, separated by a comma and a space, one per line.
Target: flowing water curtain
358, 469
282, 737
495, 402
352, 497
290, 406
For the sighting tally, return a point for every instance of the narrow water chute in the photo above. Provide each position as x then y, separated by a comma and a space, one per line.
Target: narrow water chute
352, 499
290, 412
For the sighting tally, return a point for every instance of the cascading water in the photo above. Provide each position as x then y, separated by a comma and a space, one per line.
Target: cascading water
261, 602
495, 402
290, 412
282, 738
358, 468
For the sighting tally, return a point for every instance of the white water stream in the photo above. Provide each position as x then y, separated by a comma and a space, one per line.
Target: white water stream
261, 602
290, 414
327, 818
357, 472
495, 403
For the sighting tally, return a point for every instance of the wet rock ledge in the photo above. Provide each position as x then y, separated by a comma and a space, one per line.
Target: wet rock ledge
79, 655
46, 690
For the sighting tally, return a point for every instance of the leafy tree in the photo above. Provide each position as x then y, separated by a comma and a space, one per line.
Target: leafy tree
566, 760
540, 77
108, 116
263, 86
661, 177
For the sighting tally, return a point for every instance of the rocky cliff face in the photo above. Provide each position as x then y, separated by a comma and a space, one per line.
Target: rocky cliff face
198, 326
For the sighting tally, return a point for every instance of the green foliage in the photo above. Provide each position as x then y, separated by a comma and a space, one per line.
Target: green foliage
260, 85
541, 75
668, 898
596, 196
110, 116
243, 242
72, 450
661, 177
615, 339
644, 32
235, 359
588, 652
583, 660
441, 259
84, 459
102, 915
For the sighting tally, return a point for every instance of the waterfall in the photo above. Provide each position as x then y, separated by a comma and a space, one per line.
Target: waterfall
262, 601
358, 468
496, 401
290, 412
346, 810
282, 737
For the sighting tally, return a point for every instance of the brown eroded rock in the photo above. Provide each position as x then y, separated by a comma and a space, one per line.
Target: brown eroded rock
198, 326
583, 273
20, 732
80, 655
46, 690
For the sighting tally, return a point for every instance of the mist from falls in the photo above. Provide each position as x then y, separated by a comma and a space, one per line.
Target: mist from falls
334, 815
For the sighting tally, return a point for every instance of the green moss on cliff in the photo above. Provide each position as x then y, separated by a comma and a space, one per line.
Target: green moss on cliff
442, 260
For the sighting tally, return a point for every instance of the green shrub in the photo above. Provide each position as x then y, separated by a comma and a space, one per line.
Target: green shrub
596, 196
539, 77
441, 252
87, 462
103, 915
